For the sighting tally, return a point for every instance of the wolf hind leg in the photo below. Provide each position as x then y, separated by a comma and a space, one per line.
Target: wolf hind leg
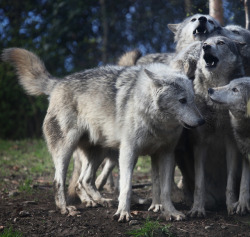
94, 156
243, 204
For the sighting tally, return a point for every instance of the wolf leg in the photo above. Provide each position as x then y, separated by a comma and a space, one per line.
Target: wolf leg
156, 190
94, 156
166, 164
243, 204
106, 173
127, 159
232, 159
198, 208
61, 145
80, 166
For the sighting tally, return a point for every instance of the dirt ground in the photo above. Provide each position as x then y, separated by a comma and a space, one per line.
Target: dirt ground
33, 214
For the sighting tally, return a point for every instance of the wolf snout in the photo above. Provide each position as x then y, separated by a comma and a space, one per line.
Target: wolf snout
202, 19
210, 91
206, 47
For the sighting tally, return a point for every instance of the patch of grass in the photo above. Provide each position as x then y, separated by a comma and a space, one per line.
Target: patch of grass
143, 164
26, 186
9, 232
152, 229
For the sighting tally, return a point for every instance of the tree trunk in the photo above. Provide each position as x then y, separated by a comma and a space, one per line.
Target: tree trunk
105, 31
216, 10
247, 6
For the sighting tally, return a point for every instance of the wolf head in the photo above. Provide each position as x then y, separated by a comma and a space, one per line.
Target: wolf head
195, 28
235, 96
172, 97
220, 60
241, 35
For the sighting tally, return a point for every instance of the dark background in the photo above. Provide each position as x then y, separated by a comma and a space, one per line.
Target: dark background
75, 35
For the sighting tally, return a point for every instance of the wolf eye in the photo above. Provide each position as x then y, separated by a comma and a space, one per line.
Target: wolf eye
235, 89
220, 43
236, 32
194, 19
183, 101
211, 22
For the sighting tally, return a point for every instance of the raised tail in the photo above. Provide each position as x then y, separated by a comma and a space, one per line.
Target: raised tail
32, 74
130, 58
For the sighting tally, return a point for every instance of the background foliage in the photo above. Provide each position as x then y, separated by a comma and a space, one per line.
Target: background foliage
74, 35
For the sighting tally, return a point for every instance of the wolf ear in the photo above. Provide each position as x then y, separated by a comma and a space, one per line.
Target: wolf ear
153, 77
173, 27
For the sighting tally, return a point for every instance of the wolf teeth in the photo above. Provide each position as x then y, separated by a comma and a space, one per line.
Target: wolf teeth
212, 63
205, 31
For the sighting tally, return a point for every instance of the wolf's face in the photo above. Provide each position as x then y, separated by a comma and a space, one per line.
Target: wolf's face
219, 54
195, 28
234, 96
175, 99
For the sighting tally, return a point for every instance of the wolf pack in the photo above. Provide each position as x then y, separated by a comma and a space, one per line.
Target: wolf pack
189, 108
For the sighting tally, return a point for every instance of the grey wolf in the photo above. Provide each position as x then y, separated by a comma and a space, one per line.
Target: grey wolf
214, 143
135, 110
236, 98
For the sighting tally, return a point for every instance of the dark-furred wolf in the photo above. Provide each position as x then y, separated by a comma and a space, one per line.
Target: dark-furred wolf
136, 110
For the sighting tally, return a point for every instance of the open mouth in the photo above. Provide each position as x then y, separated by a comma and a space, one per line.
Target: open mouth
200, 30
211, 61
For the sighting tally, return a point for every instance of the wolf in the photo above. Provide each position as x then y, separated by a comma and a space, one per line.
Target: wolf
236, 98
131, 110
213, 144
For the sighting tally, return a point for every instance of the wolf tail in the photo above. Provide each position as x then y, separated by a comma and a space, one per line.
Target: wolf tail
32, 74
129, 58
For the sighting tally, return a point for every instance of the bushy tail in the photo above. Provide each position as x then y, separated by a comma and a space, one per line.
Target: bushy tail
31, 71
129, 58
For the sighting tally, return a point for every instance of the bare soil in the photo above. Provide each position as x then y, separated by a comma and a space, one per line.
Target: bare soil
34, 214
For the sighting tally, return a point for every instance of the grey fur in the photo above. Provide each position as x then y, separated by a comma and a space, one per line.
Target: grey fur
136, 110
235, 97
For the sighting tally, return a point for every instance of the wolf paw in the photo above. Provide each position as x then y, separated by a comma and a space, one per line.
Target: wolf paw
242, 207
231, 208
90, 203
122, 216
174, 216
197, 212
155, 208
70, 211
106, 202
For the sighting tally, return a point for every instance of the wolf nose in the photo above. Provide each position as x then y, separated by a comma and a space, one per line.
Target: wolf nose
201, 122
206, 47
202, 19
210, 91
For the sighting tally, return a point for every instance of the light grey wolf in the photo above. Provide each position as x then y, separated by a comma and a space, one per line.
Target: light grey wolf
236, 98
219, 63
137, 110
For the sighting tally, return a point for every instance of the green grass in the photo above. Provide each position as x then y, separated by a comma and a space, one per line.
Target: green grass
24, 161
152, 229
143, 164
9, 232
